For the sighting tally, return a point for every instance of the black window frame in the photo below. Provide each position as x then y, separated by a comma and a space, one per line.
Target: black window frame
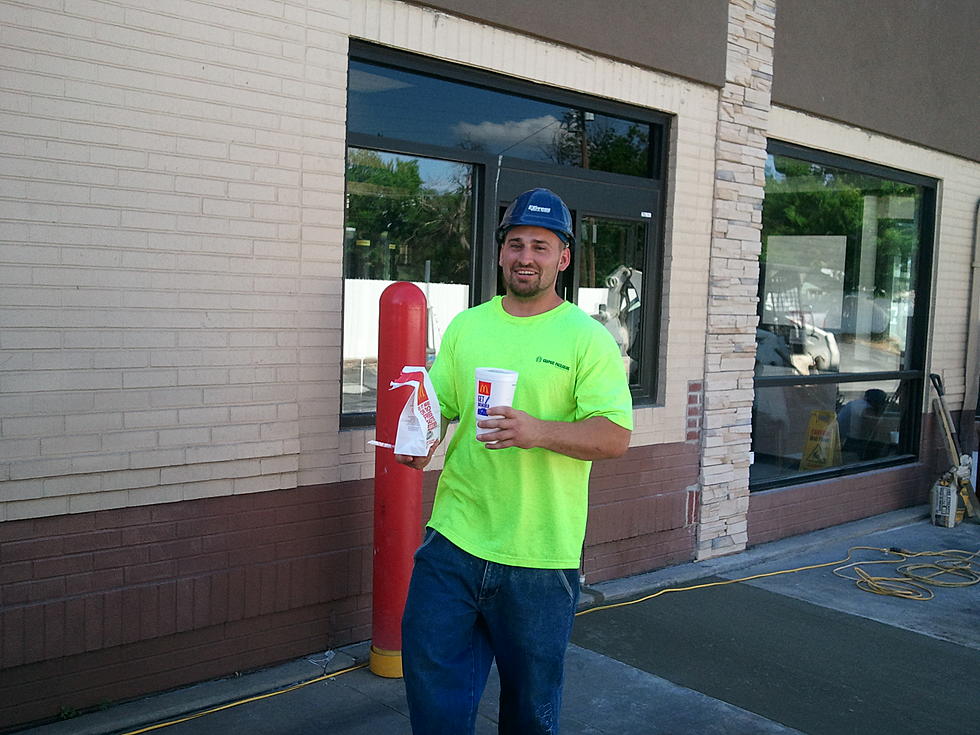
483, 284
916, 375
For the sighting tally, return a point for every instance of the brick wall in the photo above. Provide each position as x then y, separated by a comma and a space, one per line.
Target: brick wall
171, 202
777, 514
641, 514
113, 604
171, 192
743, 114
105, 605
790, 511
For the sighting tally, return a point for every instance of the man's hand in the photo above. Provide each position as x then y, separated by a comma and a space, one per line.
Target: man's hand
416, 463
592, 438
514, 429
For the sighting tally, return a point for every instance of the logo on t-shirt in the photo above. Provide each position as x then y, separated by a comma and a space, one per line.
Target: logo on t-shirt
546, 361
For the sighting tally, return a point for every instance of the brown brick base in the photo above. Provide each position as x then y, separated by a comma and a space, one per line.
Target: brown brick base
110, 605
777, 514
105, 606
114, 604
790, 511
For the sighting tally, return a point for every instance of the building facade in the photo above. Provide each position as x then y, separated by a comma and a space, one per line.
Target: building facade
775, 207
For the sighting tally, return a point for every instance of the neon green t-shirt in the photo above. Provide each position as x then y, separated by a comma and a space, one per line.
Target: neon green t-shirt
523, 507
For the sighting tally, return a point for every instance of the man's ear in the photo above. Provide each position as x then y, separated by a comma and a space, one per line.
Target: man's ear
565, 258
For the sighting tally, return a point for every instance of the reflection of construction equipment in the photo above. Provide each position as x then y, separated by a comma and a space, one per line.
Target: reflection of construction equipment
818, 344
958, 475
799, 345
621, 312
784, 315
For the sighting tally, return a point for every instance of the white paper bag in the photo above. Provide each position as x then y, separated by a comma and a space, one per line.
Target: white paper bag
420, 423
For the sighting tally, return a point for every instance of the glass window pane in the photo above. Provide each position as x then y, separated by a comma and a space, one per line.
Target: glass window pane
798, 429
408, 218
610, 254
402, 105
838, 268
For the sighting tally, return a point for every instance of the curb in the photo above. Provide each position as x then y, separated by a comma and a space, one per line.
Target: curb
178, 703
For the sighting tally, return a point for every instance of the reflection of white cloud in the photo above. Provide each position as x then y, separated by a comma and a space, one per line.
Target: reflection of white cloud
498, 137
365, 81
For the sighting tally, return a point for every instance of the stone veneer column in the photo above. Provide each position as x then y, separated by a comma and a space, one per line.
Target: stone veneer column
726, 439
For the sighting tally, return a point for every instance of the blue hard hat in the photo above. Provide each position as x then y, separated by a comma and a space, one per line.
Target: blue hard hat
538, 208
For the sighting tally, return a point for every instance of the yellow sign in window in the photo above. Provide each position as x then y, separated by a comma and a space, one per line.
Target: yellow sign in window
822, 449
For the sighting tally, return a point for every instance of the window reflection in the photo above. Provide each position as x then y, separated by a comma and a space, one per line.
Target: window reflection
408, 218
837, 287
837, 269
403, 105
806, 428
610, 282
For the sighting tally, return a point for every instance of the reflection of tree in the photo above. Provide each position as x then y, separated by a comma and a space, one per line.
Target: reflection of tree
815, 207
399, 223
809, 199
602, 144
576, 138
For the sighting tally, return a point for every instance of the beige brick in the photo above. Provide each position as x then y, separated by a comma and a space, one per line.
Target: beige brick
37, 508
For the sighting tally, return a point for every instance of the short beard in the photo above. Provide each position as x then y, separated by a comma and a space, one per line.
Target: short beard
528, 291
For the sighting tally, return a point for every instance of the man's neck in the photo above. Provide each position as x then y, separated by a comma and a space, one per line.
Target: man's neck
531, 307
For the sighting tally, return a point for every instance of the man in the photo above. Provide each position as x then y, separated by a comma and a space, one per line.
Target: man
496, 577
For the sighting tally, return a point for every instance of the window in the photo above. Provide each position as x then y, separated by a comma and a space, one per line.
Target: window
611, 282
839, 372
408, 218
398, 104
435, 152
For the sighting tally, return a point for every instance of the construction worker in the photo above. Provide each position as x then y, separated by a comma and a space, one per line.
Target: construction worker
496, 577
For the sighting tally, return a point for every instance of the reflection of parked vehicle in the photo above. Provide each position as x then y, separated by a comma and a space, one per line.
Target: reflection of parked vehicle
864, 314
771, 350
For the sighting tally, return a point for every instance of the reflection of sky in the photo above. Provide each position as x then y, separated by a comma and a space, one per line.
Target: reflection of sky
506, 137
772, 173
396, 104
392, 103
442, 176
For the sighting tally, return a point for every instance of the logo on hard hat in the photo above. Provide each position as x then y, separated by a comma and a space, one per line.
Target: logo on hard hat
524, 210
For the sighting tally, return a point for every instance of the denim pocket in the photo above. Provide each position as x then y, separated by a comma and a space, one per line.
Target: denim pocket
430, 534
563, 575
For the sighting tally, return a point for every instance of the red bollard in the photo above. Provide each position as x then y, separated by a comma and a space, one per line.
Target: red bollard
397, 488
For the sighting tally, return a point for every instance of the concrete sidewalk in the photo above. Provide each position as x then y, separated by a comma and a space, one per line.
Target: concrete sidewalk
619, 666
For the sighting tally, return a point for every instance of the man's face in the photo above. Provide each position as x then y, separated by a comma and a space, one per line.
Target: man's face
531, 258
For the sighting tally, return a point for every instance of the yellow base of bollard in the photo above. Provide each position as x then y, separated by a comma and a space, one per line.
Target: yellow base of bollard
386, 663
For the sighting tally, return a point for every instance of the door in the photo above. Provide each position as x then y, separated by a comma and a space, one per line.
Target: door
614, 245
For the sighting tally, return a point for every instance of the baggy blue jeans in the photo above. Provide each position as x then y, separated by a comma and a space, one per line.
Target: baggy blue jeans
462, 613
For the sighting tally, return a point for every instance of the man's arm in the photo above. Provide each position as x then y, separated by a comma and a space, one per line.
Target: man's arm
592, 438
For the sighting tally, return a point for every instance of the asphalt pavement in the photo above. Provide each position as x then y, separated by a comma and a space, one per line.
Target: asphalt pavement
801, 652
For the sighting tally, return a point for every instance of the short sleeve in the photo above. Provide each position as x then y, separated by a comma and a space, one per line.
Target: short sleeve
601, 385
442, 375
